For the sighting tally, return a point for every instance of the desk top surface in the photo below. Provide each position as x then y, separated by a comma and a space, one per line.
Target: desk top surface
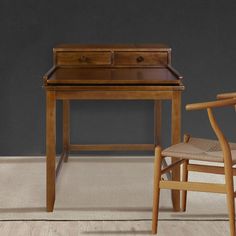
113, 76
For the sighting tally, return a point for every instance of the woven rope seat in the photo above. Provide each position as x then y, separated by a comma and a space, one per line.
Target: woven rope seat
199, 149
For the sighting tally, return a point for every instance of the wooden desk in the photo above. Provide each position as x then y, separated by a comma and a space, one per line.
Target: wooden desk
109, 72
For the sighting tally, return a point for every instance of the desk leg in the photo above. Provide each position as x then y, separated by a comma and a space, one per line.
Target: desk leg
66, 127
51, 148
157, 122
175, 138
157, 130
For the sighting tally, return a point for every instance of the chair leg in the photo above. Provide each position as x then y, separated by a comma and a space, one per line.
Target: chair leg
184, 179
230, 201
156, 189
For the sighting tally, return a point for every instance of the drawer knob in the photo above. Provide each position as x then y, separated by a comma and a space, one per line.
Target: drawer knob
140, 59
83, 59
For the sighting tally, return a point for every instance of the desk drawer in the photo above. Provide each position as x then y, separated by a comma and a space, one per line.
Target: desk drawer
141, 58
83, 58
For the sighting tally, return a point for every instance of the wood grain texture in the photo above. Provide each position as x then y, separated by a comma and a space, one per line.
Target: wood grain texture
184, 179
111, 147
228, 171
83, 58
174, 71
208, 169
85, 55
113, 95
226, 95
117, 76
172, 166
157, 121
156, 188
185, 176
141, 58
102, 87
194, 186
212, 104
111, 72
51, 148
175, 138
227, 167
66, 127
112, 47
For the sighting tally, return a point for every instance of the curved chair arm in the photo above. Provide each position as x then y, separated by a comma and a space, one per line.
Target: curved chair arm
205, 105
226, 95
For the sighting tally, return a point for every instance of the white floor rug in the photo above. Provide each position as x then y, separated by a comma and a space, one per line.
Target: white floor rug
96, 188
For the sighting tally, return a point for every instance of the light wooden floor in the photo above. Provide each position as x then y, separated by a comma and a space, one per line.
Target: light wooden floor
75, 228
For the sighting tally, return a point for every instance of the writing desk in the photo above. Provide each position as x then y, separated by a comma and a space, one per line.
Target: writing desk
109, 72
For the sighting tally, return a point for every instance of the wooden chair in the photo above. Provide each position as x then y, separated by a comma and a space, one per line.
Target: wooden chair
204, 150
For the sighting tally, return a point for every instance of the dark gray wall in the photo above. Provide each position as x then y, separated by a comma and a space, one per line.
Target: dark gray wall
201, 34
